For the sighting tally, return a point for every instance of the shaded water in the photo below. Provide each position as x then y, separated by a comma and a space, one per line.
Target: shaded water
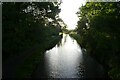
66, 60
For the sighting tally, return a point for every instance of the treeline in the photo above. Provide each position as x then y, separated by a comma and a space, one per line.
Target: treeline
26, 24
99, 29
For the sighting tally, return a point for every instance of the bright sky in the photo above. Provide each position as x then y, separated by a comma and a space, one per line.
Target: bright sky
68, 12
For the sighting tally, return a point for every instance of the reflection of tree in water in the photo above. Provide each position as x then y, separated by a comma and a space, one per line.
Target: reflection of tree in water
59, 43
73, 41
62, 41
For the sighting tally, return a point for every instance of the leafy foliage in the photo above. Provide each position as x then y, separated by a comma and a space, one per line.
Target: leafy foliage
99, 30
26, 24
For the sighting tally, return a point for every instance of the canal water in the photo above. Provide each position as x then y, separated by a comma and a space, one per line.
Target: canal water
66, 60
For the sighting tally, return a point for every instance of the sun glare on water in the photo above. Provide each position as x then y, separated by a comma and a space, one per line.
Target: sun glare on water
68, 12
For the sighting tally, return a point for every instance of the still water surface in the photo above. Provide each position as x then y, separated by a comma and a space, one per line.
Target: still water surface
66, 60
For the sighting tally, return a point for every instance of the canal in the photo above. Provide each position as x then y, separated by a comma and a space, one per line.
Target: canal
66, 60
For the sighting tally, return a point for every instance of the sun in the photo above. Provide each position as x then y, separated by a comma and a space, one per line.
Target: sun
68, 12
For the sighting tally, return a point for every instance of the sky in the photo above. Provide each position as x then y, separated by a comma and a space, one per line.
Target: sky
68, 12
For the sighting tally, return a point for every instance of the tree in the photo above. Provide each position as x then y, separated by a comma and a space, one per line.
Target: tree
26, 24
99, 29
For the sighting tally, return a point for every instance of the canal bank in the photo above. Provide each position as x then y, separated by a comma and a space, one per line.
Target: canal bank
22, 65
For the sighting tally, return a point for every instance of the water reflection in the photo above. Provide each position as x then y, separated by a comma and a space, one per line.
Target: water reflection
63, 61
66, 60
